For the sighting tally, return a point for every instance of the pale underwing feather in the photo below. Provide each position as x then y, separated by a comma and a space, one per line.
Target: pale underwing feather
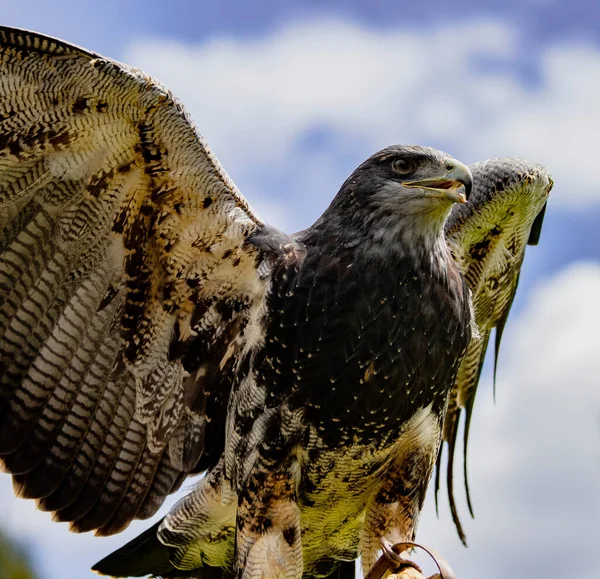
488, 237
133, 308
117, 224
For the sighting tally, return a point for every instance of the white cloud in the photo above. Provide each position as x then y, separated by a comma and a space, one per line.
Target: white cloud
57, 553
535, 456
255, 100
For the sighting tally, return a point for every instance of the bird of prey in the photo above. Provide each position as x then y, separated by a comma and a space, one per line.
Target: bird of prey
152, 326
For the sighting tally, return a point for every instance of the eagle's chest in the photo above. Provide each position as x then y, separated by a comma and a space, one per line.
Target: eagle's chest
361, 348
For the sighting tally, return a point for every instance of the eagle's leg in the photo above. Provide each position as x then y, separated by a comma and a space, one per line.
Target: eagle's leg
393, 511
391, 516
403, 568
268, 538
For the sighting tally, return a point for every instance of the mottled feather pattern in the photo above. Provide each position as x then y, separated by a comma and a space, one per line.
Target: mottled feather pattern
122, 242
200, 529
322, 324
305, 458
152, 327
488, 237
393, 510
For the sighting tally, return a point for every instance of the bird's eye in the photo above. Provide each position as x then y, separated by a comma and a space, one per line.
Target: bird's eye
403, 166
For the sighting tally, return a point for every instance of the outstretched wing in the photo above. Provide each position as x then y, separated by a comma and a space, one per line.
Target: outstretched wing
125, 285
487, 237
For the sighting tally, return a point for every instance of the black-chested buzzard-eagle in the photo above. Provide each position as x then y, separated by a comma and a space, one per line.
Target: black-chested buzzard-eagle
152, 327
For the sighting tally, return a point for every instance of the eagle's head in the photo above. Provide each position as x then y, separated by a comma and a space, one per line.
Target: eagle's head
400, 196
410, 180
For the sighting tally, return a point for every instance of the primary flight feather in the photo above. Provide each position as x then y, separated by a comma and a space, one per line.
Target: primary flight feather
152, 327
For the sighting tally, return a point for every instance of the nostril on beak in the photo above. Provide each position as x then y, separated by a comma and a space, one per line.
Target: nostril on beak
450, 166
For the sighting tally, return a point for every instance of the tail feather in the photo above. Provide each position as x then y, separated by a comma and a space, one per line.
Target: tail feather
345, 570
144, 555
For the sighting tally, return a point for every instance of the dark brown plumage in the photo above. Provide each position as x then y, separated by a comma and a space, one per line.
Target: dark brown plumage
152, 326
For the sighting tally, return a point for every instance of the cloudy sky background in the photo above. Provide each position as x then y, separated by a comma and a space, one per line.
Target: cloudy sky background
292, 96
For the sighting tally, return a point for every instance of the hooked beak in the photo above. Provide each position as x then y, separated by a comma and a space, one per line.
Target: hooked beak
455, 186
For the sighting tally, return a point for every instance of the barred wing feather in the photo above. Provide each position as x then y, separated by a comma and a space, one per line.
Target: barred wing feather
488, 237
125, 284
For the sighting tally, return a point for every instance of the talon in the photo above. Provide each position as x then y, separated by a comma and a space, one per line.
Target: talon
401, 567
395, 557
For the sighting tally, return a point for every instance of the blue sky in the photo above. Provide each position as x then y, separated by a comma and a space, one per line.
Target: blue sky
292, 95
